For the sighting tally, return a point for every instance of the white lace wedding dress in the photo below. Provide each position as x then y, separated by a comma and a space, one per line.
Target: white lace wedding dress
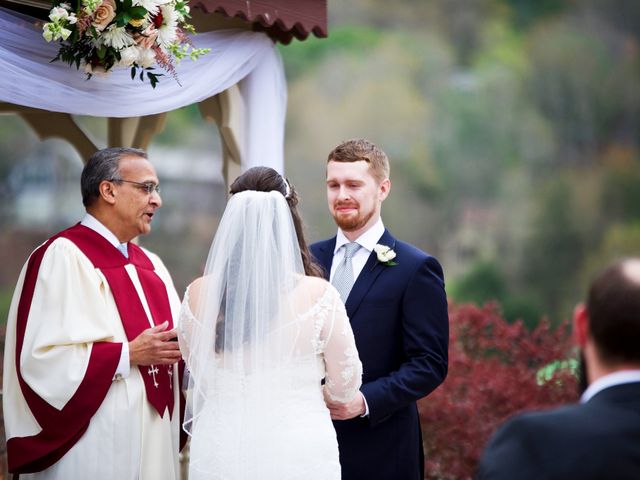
274, 424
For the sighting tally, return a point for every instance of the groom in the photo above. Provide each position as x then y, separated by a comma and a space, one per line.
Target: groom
395, 299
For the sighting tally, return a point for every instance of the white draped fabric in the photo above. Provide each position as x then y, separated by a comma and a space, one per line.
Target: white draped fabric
237, 56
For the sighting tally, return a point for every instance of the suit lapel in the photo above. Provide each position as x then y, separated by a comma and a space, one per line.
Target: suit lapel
367, 276
325, 255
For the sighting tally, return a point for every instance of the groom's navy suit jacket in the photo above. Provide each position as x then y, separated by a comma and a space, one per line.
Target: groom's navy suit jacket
597, 440
400, 322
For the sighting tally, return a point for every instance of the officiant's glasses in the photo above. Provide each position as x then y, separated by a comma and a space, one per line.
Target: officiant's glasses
148, 187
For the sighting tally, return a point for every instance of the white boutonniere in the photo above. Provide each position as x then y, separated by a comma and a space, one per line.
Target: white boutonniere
385, 255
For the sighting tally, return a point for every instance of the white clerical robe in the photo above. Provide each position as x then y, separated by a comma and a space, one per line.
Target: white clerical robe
73, 307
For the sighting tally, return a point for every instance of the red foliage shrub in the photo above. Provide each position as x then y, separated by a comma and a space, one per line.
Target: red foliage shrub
492, 375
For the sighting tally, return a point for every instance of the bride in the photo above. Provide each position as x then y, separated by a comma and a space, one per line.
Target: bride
259, 331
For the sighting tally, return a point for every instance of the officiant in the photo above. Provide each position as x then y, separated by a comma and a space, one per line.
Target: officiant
90, 377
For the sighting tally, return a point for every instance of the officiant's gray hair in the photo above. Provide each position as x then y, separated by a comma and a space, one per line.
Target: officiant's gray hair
103, 165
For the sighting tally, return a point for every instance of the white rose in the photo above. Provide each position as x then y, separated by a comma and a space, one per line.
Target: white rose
384, 253
146, 58
128, 56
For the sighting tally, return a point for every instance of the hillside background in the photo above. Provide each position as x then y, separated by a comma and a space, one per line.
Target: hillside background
513, 129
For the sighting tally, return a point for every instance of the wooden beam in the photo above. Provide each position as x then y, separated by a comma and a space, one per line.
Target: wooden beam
121, 131
226, 110
60, 125
148, 127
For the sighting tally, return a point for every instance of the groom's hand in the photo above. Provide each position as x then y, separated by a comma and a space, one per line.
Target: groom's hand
346, 411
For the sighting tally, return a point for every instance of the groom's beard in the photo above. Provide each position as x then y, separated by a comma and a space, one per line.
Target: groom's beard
351, 222
583, 381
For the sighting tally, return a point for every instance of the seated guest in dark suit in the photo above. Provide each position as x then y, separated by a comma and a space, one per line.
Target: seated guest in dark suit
600, 437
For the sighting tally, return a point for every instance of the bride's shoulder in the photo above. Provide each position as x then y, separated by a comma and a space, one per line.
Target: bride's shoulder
315, 283
192, 293
317, 287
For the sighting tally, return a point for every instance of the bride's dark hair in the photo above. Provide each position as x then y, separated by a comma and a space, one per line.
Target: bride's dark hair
266, 179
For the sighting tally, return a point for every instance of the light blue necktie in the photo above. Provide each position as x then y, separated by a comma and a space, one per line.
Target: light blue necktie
343, 277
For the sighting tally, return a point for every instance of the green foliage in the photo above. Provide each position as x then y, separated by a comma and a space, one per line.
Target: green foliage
483, 282
575, 72
621, 192
179, 127
5, 303
619, 241
550, 371
556, 248
527, 12
524, 307
181, 52
301, 57
128, 12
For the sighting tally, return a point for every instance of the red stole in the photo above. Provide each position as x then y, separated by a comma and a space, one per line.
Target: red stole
61, 429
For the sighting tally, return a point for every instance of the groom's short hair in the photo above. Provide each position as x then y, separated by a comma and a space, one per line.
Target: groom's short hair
359, 149
613, 306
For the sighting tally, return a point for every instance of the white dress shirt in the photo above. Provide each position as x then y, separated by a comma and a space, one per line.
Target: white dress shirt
611, 380
94, 224
367, 241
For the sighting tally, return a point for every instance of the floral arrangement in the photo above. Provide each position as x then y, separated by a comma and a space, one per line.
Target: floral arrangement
100, 35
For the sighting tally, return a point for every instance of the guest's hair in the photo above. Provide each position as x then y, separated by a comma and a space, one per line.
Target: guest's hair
103, 165
359, 149
266, 179
613, 305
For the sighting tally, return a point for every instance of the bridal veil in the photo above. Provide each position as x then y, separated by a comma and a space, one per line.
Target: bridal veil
240, 338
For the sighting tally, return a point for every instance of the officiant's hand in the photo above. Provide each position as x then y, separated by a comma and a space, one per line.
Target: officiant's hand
346, 411
154, 346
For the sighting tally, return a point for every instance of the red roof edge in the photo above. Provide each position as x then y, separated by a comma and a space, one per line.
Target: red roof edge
282, 20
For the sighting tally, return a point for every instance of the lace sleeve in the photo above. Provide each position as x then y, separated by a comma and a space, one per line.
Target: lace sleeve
342, 363
185, 326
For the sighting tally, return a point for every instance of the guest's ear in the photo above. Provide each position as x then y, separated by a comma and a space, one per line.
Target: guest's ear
581, 325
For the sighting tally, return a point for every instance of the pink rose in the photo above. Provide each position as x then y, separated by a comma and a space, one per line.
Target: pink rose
104, 14
147, 38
